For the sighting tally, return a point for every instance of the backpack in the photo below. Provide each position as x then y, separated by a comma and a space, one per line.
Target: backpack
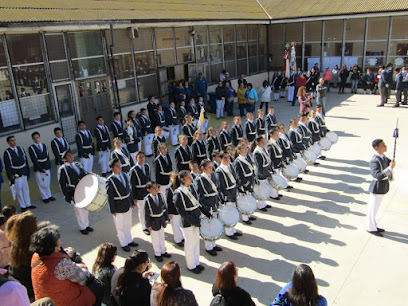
218, 300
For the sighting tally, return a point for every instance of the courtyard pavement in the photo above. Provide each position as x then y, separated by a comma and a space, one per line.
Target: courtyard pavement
321, 222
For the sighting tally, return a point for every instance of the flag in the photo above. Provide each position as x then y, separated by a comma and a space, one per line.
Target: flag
286, 57
201, 118
293, 59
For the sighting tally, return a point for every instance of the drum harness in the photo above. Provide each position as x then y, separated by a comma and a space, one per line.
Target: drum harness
100, 133
181, 154
239, 131
214, 140
251, 125
194, 201
119, 197
161, 166
66, 173
226, 134
241, 160
206, 193
137, 175
56, 144
82, 140
11, 161
123, 155
198, 144
43, 160
149, 198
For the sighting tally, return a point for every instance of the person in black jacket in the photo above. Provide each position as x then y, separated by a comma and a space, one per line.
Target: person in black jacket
381, 168
18, 172
250, 128
157, 217
152, 109
225, 136
136, 123
295, 137
161, 121
237, 133
123, 155
270, 119
193, 110
85, 145
103, 144
174, 124
163, 168
118, 128
182, 112
58, 146
147, 132
42, 165
121, 204
189, 128
185, 199
213, 143
182, 153
198, 148
132, 144
175, 218
260, 123
398, 87
220, 97
225, 289
158, 139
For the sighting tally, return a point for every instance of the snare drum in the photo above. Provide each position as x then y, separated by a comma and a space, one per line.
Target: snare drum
246, 204
229, 215
300, 163
316, 149
325, 143
211, 229
309, 156
278, 182
290, 171
90, 193
262, 191
332, 136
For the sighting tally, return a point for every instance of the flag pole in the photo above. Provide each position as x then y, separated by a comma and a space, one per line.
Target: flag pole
395, 135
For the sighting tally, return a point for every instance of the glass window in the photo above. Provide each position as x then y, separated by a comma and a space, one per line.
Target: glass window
241, 50
312, 55
242, 66
333, 36
355, 29
201, 54
398, 49
399, 27
124, 66
294, 32
252, 48
59, 70
216, 53
85, 44
276, 32
215, 34
127, 90
25, 49
55, 47
313, 31
229, 52
377, 28
145, 63
333, 30
147, 86
229, 35
253, 65
241, 30
200, 35
88, 67
166, 57
353, 54
262, 48
183, 37
36, 109
252, 32
215, 72
230, 67
164, 38
184, 55
277, 51
121, 40
143, 39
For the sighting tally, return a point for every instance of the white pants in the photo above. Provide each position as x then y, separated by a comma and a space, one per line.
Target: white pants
220, 108
283, 93
209, 245
148, 139
22, 191
133, 156
162, 190
174, 132
141, 213
82, 217
373, 206
276, 96
87, 163
291, 93
230, 231
103, 160
139, 146
123, 225
192, 246
244, 217
176, 227
166, 134
158, 243
274, 193
43, 182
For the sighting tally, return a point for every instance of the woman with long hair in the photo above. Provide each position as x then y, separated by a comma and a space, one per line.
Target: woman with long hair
23, 226
301, 291
304, 100
265, 92
343, 75
225, 288
170, 292
103, 269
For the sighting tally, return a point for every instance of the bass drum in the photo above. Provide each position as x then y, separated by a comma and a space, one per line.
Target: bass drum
325, 144
316, 149
300, 163
229, 215
211, 229
246, 204
262, 191
278, 182
290, 171
332, 136
309, 156
90, 193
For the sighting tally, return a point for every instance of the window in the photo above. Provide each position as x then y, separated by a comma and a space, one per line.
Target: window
165, 47
143, 39
276, 45
147, 86
376, 46
241, 31
229, 50
398, 50
294, 34
201, 41
354, 42
333, 41
145, 63
262, 48
57, 56
215, 34
313, 43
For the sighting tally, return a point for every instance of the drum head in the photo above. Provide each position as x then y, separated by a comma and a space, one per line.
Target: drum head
300, 163
247, 204
279, 181
229, 215
291, 171
86, 190
262, 191
325, 143
211, 229
332, 136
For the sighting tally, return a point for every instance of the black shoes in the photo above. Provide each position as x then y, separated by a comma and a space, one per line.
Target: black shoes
200, 267
252, 218
380, 105
233, 237
51, 199
277, 198
196, 270
126, 248
263, 209
247, 222
238, 234
86, 231
211, 252
289, 187
316, 164
376, 233
28, 207
298, 179
380, 230
268, 206
306, 171
159, 258
146, 231
322, 157
180, 244
89, 229
167, 255
217, 248
46, 201
133, 244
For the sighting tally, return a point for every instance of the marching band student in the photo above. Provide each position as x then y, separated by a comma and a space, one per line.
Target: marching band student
58, 146
227, 188
139, 176
295, 137
245, 175
263, 169
175, 218
163, 168
286, 146
201, 105
42, 165
69, 175
291, 86
321, 121
103, 145
174, 124
304, 130
232, 151
315, 129
276, 85
182, 112
156, 216
193, 111
161, 120
189, 128
225, 136
260, 123
250, 128
118, 128
198, 149
158, 138
208, 197
237, 133
135, 118
213, 143
147, 132
276, 154
123, 155
216, 160
182, 153
185, 199
194, 169
270, 119
283, 84
85, 145
18, 172
121, 203
132, 139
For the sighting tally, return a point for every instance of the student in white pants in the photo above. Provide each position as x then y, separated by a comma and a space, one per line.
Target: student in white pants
23, 192
174, 124
123, 224
148, 140
86, 147
192, 247
175, 218
174, 132
43, 182
82, 217
103, 161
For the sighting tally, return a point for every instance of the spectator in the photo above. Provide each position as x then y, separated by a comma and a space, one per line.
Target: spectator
8, 211
225, 289
315, 74
304, 100
251, 98
385, 83
24, 225
200, 87
220, 96
377, 79
316, 68
189, 91
335, 76
321, 95
405, 84
2, 223
265, 93
300, 81
130, 283
152, 109
241, 99
227, 80
230, 92
355, 78
242, 80
1, 178
171, 292
309, 81
103, 269
302, 290
222, 75
180, 92
327, 76
398, 86
54, 275
343, 75
368, 81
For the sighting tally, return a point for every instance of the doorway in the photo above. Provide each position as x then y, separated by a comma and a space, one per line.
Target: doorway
66, 107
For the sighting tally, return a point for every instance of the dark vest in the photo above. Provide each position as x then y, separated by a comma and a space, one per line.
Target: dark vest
40, 159
183, 158
102, 138
119, 195
163, 169
139, 181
